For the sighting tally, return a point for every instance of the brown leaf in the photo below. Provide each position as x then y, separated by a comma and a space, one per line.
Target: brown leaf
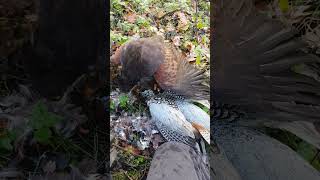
83, 130
183, 21
160, 13
87, 166
156, 140
188, 45
131, 17
133, 150
49, 167
31, 18
113, 155
191, 57
177, 40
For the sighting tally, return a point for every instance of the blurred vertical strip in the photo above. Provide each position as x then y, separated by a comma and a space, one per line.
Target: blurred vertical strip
70, 41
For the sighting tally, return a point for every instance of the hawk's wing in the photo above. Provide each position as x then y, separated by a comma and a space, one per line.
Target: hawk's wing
178, 75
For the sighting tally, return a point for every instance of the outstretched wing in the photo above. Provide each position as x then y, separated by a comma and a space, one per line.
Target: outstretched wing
191, 82
252, 60
178, 75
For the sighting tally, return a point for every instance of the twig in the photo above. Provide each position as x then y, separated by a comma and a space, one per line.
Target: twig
74, 86
123, 149
169, 13
144, 173
125, 172
38, 163
17, 78
3, 157
79, 148
315, 157
195, 30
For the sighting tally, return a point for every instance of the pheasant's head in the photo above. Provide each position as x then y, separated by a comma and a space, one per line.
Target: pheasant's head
147, 94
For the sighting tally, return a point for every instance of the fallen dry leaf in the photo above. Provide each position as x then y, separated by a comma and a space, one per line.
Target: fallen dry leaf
189, 45
131, 17
113, 155
49, 167
177, 40
183, 21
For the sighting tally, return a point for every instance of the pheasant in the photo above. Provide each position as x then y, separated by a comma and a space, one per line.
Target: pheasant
177, 119
148, 58
254, 58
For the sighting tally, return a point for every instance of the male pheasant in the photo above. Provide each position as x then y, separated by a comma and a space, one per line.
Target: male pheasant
151, 57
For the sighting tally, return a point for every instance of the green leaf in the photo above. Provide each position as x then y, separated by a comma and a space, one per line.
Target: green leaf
52, 119
41, 117
142, 22
204, 108
140, 160
200, 25
42, 135
205, 39
5, 143
198, 59
123, 101
306, 150
284, 5
112, 105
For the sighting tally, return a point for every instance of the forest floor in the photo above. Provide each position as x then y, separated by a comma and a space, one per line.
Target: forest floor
45, 138
186, 24
61, 140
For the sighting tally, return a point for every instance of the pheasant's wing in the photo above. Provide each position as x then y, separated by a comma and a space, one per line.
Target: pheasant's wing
252, 60
141, 58
199, 119
178, 75
204, 132
194, 113
171, 123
